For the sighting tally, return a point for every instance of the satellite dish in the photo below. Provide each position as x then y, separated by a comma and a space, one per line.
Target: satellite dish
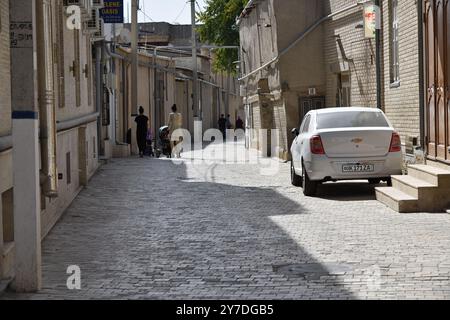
125, 36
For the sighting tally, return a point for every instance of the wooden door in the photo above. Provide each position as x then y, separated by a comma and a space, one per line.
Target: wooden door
447, 77
437, 78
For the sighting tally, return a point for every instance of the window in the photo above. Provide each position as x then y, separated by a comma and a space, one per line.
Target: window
94, 147
76, 68
394, 43
68, 169
351, 119
7, 212
344, 90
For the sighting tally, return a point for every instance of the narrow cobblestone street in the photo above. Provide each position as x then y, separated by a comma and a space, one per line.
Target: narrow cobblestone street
152, 229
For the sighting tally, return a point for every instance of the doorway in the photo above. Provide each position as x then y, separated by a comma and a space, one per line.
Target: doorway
306, 104
437, 72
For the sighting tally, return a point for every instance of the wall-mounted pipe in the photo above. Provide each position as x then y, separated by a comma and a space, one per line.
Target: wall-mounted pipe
5, 143
73, 123
421, 40
379, 63
99, 94
46, 97
302, 36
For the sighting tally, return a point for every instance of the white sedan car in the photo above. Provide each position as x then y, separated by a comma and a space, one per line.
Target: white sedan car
344, 144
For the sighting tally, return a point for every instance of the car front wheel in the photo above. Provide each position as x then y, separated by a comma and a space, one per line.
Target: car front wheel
309, 187
296, 180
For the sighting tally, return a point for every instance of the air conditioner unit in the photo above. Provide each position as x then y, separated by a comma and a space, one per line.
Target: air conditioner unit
92, 25
84, 6
73, 3
97, 4
99, 34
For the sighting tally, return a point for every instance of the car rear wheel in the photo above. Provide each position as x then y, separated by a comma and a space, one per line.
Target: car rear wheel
296, 180
309, 187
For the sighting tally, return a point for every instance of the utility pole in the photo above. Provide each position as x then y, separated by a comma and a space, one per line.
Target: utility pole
194, 64
134, 57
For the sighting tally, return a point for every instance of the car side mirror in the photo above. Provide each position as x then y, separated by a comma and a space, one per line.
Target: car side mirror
295, 132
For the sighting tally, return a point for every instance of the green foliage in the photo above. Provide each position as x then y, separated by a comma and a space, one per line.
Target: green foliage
219, 28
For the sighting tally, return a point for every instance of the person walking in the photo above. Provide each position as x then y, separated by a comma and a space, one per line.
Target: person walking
229, 125
141, 131
175, 122
222, 125
239, 123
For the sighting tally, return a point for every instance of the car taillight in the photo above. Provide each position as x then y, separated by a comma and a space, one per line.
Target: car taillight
396, 143
316, 145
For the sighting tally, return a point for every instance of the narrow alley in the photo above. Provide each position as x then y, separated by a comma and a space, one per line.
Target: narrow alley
156, 229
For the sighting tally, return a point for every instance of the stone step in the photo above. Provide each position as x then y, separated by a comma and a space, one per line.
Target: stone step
414, 187
397, 200
436, 176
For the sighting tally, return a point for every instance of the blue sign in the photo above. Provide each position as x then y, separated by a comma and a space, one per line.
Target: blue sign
112, 12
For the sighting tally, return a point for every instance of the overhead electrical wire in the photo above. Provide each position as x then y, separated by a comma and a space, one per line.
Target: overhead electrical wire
181, 12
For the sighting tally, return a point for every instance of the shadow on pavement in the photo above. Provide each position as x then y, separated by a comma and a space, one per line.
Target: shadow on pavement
347, 191
143, 229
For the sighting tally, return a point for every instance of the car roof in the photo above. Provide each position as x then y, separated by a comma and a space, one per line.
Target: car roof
346, 109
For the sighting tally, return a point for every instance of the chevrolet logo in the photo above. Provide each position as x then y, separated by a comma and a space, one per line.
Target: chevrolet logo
357, 140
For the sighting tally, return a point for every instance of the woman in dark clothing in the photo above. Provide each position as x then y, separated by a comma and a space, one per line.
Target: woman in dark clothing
239, 123
141, 131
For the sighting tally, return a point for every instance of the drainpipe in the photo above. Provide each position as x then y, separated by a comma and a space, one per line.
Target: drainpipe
421, 76
99, 94
46, 98
379, 61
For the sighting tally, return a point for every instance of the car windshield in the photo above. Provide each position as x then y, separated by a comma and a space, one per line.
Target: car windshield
351, 119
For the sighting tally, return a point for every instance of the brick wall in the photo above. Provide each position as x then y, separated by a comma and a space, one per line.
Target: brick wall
362, 51
5, 74
401, 103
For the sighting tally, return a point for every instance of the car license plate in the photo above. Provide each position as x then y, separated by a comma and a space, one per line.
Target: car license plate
358, 167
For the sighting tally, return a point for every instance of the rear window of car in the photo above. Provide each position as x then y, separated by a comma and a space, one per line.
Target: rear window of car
351, 119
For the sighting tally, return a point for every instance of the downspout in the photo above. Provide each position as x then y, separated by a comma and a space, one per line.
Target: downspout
379, 61
46, 98
155, 104
99, 94
302, 36
421, 76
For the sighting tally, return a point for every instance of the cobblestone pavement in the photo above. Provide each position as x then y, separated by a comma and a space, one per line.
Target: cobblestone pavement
152, 229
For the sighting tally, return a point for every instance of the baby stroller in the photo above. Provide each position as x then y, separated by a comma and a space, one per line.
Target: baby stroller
163, 144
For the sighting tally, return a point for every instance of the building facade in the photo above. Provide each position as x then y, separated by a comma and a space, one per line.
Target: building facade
69, 146
320, 57
218, 91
